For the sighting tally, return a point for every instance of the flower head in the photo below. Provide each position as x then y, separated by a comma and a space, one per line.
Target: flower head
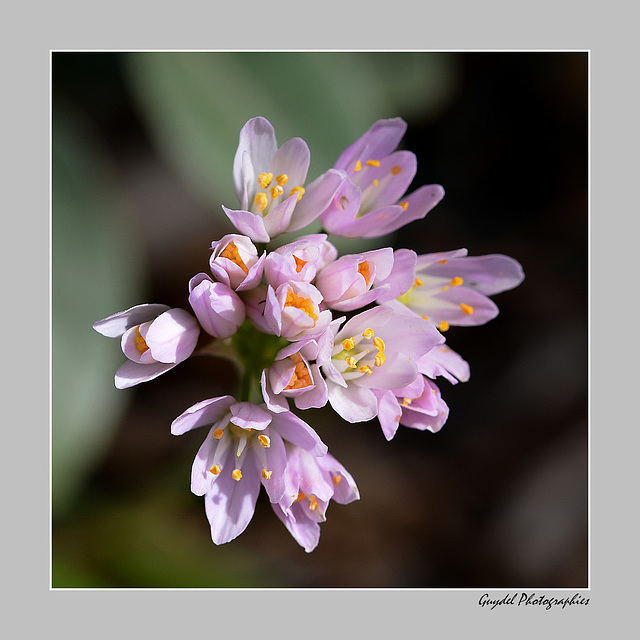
269, 183
371, 202
154, 338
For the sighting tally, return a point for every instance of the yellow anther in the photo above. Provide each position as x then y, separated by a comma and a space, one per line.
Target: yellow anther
406, 402
266, 474
299, 263
302, 303
466, 308
365, 369
301, 377
299, 191
456, 282
231, 253
425, 318
218, 433
264, 179
301, 496
446, 287
404, 204
215, 469
378, 343
265, 441
352, 362
337, 479
375, 182
141, 344
418, 282
358, 166
282, 179
373, 163
443, 326
348, 344
236, 474
380, 359
276, 191
365, 271
395, 170
442, 262
261, 201
368, 333
313, 503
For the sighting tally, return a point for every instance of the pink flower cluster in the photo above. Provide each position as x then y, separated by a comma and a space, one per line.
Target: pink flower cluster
361, 332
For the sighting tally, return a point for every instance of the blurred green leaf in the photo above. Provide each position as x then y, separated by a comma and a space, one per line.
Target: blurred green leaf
196, 103
94, 273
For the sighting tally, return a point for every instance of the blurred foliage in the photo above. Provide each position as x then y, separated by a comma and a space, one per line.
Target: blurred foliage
195, 104
95, 272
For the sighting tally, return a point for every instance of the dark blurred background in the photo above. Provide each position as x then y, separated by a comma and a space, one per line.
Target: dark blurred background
142, 151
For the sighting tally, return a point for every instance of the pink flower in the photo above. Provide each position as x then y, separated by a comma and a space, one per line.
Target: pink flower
293, 375
244, 449
451, 288
269, 184
418, 406
293, 311
371, 203
375, 350
299, 260
345, 284
154, 338
218, 308
310, 483
235, 262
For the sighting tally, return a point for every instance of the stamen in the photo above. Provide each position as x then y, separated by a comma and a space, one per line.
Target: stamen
456, 282
378, 343
282, 179
425, 318
404, 204
358, 166
302, 303
141, 344
299, 263
313, 503
337, 479
261, 201
348, 344
301, 377
265, 441
299, 190
446, 287
351, 362
365, 271
264, 179
216, 469
380, 360
375, 182
366, 369
368, 333
276, 191
442, 262
418, 282
231, 253
443, 326
236, 474
373, 163
266, 474
406, 402
466, 308
395, 170
218, 433
301, 496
